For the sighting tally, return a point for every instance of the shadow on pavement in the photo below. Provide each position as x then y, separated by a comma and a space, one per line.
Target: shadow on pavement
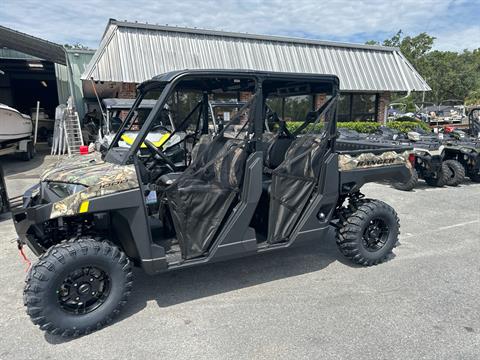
169, 289
422, 185
12, 164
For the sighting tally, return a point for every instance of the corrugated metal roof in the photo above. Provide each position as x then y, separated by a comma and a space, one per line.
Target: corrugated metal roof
6, 53
31, 45
133, 52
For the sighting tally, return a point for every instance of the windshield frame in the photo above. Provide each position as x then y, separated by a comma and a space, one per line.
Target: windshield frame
123, 157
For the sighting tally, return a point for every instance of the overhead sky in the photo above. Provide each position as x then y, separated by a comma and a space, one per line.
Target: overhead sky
455, 23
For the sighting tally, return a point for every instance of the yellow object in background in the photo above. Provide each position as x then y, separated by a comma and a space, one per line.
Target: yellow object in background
158, 143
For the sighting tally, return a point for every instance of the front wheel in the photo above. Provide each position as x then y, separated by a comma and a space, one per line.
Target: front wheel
368, 235
77, 287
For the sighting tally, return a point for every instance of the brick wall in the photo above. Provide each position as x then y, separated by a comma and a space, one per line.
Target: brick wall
245, 96
127, 91
383, 101
320, 99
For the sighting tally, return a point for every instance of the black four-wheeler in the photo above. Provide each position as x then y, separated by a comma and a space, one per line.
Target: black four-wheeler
245, 191
474, 122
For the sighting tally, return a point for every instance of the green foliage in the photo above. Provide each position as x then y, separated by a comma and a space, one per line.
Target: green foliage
292, 126
367, 127
76, 46
406, 126
473, 98
451, 75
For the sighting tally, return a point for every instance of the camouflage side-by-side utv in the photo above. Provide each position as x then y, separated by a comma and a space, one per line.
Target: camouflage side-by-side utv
426, 157
245, 191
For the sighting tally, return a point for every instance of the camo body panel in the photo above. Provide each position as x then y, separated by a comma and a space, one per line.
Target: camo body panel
368, 160
423, 151
101, 179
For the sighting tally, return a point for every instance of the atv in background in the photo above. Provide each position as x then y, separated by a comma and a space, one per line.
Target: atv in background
464, 153
474, 122
461, 154
246, 191
427, 158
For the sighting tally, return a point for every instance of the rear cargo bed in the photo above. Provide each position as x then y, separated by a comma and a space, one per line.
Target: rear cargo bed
357, 147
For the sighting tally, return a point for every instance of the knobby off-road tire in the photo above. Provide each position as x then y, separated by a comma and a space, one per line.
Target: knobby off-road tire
440, 180
357, 231
455, 172
409, 184
66, 275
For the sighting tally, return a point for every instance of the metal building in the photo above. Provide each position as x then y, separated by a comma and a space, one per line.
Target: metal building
130, 53
34, 69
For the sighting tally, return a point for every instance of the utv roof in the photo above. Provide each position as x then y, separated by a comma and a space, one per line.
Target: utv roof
173, 75
114, 103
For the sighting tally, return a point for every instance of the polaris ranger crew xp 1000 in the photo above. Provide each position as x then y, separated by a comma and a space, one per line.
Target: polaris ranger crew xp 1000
253, 187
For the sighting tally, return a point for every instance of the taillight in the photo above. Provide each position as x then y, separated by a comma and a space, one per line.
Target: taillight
411, 158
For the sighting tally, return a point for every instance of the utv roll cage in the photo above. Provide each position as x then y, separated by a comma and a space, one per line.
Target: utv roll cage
193, 79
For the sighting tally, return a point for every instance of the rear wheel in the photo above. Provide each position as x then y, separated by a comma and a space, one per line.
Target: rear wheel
409, 184
455, 172
77, 287
368, 235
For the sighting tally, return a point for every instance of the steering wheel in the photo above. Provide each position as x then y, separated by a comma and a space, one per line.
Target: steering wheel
160, 127
159, 155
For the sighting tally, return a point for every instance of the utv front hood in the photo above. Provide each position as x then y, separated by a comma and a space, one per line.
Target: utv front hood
99, 177
89, 170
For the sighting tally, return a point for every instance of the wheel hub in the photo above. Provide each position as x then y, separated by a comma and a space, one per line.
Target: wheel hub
84, 290
375, 235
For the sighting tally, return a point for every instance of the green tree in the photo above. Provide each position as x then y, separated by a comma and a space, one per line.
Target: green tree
451, 75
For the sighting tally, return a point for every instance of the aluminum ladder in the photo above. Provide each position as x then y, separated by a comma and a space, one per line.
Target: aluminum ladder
73, 132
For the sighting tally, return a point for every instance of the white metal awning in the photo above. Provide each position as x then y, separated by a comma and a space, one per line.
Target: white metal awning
134, 52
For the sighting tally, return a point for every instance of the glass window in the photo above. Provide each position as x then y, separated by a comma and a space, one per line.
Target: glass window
343, 107
357, 107
181, 103
363, 107
297, 107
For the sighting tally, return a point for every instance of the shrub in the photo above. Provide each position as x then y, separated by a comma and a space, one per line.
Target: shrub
360, 126
406, 126
292, 126
366, 127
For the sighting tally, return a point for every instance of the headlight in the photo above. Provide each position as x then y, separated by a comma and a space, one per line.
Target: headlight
64, 189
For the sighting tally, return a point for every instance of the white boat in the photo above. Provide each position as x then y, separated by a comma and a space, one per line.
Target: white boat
13, 124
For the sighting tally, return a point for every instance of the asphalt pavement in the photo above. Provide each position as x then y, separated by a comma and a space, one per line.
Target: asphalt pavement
306, 302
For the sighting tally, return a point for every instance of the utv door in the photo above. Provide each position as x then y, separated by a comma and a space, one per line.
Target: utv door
302, 176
